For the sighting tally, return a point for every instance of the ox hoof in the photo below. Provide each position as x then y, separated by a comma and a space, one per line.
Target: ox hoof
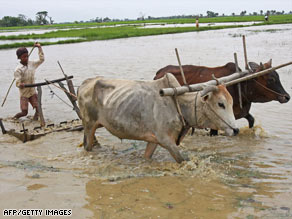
213, 132
88, 148
96, 144
186, 157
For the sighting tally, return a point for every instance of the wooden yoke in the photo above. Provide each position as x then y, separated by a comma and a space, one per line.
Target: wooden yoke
228, 80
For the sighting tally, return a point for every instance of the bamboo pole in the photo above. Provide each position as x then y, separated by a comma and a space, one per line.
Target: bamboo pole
245, 53
180, 66
228, 80
47, 82
69, 84
254, 75
238, 85
72, 99
8, 92
40, 110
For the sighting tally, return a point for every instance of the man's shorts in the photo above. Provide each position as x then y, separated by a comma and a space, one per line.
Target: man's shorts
24, 102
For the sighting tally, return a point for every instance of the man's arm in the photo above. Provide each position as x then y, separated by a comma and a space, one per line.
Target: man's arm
41, 56
17, 76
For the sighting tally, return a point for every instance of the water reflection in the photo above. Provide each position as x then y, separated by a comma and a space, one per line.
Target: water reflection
2, 42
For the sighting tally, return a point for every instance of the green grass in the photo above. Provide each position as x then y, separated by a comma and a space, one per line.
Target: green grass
287, 18
91, 34
106, 33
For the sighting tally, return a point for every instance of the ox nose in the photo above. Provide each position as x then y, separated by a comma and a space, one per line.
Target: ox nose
287, 97
235, 131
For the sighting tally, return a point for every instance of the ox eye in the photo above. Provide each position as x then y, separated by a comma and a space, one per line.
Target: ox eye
271, 80
221, 105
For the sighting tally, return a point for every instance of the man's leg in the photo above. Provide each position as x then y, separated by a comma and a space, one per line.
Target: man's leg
23, 107
34, 103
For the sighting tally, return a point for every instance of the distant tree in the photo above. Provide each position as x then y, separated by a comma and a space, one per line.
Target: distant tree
233, 14
261, 11
242, 13
254, 13
41, 17
106, 19
51, 20
212, 14
141, 16
97, 20
21, 20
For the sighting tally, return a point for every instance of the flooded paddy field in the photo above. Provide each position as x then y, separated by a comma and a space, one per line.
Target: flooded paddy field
246, 176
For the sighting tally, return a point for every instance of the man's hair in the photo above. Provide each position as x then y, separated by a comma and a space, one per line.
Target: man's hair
20, 51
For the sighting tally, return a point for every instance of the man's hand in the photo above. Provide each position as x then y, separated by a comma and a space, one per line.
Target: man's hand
37, 44
21, 85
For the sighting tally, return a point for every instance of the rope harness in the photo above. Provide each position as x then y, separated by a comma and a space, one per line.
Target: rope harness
272, 91
219, 116
196, 118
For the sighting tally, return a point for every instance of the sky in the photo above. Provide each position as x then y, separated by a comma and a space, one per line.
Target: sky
84, 10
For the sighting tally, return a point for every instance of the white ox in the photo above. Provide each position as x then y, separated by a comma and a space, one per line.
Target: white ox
134, 110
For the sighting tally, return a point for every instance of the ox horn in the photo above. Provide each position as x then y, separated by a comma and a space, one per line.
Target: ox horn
216, 79
210, 88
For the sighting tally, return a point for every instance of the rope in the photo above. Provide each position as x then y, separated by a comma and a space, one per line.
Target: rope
58, 96
178, 108
177, 104
219, 117
61, 89
272, 91
196, 108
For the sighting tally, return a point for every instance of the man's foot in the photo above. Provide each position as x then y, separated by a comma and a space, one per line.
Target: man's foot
35, 118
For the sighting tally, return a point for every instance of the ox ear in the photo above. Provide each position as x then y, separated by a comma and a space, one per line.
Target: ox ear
254, 66
269, 63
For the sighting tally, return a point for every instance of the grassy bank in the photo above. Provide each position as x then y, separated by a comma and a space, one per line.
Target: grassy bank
112, 32
91, 34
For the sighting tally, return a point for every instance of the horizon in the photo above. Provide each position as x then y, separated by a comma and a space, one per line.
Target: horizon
73, 10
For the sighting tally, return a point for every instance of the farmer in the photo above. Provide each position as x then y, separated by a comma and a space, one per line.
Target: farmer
197, 22
24, 74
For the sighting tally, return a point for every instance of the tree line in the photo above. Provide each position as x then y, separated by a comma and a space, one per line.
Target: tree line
42, 18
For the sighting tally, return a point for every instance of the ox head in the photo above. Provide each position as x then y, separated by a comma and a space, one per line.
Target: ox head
267, 87
218, 109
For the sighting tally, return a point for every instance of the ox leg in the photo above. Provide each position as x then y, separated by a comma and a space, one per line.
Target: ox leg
250, 120
172, 148
89, 135
213, 132
150, 150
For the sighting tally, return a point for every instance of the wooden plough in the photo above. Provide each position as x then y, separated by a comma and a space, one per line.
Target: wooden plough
74, 125
28, 135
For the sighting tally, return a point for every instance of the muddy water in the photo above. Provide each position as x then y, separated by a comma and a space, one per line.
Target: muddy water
246, 176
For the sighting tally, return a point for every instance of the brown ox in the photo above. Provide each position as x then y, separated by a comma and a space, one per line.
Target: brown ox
259, 90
